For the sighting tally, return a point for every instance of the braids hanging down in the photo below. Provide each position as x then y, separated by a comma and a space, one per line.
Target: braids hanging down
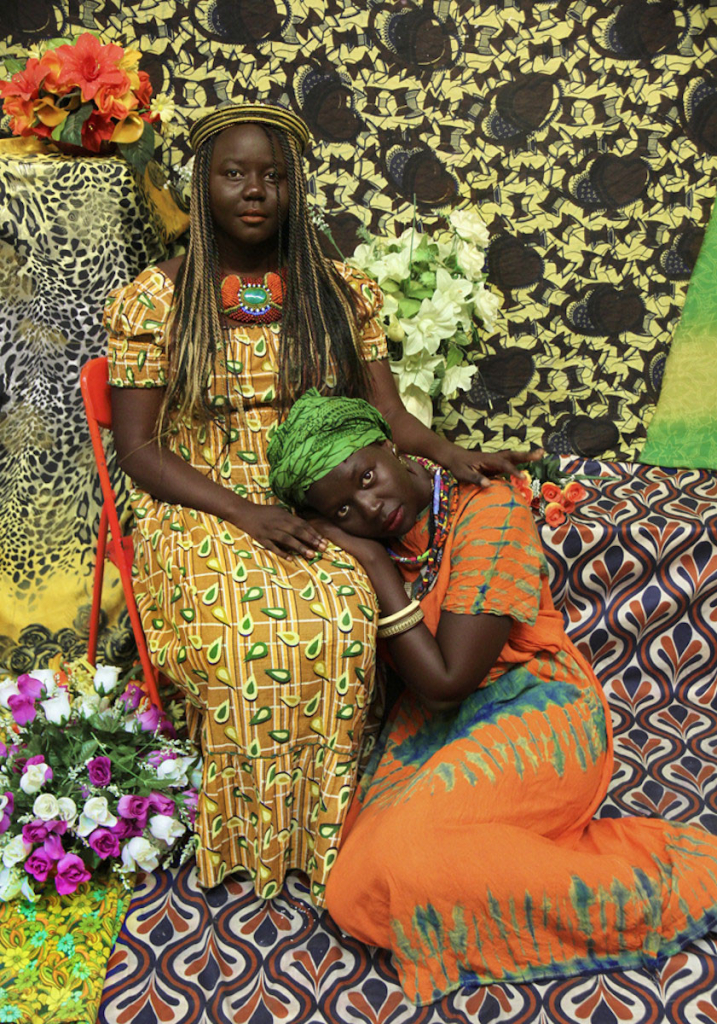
195, 329
319, 342
319, 339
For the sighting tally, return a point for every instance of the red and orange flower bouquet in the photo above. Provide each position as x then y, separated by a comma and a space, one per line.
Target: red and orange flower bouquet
551, 493
84, 94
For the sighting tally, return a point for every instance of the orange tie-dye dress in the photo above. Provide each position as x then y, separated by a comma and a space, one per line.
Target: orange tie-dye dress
470, 849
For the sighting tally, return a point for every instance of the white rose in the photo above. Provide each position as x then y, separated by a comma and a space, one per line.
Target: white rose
90, 704
10, 883
487, 305
27, 890
140, 852
470, 227
173, 770
57, 708
47, 677
33, 778
164, 826
470, 260
106, 678
457, 378
68, 809
46, 807
8, 688
95, 812
4, 801
395, 266
15, 852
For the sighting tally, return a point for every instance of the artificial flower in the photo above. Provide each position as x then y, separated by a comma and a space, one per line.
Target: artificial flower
105, 678
39, 864
89, 65
135, 807
57, 708
574, 491
457, 378
71, 872
46, 807
95, 812
470, 227
470, 260
128, 131
25, 84
48, 112
10, 883
166, 828
141, 853
99, 770
106, 844
35, 775
550, 491
161, 803
15, 851
67, 809
487, 305
164, 107
554, 514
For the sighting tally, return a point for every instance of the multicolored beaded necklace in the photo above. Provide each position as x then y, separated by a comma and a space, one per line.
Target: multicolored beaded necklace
253, 301
443, 505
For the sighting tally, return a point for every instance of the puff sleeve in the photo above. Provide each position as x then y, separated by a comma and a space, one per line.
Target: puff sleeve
136, 318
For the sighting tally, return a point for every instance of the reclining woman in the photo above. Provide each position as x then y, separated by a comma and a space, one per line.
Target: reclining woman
206, 351
470, 849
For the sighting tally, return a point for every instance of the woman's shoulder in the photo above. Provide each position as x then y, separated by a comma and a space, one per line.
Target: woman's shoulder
367, 291
143, 305
495, 504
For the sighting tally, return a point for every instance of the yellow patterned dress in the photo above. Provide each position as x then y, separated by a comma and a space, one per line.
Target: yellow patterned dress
277, 655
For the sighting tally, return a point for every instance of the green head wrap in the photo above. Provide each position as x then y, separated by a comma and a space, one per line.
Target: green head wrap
317, 436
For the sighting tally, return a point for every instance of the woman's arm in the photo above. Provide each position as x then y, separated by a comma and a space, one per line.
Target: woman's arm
167, 477
415, 438
443, 670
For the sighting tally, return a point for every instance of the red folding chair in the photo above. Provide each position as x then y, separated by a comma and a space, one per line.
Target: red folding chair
119, 549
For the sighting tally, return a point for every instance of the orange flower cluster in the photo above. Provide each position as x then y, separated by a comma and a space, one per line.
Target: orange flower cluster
83, 94
554, 502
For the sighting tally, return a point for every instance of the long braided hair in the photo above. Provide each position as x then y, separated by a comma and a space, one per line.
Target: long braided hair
319, 338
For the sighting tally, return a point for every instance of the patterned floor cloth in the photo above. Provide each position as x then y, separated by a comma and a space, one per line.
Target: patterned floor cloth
635, 572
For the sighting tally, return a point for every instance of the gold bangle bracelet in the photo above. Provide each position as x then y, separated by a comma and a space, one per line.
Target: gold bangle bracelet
402, 626
406, 610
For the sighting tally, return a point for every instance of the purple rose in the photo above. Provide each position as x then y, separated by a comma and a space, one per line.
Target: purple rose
105, 843
160, 803
71, 873
155, 757
132, 696
149, 720
23, 711
3, 750
191, 801
100, 771
39, 864
37, 759
127, 828
29, 688
53, 847
58, 827
134, 807
8, 808
35, 832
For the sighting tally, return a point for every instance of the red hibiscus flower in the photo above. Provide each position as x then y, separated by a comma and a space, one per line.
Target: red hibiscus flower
25, 84
90, 65
143, 92
97, 129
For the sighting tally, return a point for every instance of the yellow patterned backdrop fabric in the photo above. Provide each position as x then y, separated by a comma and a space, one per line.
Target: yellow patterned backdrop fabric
584, 132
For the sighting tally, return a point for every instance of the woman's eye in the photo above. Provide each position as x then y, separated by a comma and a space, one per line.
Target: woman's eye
367, 476
342, 512
233, 173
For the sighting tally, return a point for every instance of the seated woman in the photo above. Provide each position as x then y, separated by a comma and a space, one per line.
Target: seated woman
470, 849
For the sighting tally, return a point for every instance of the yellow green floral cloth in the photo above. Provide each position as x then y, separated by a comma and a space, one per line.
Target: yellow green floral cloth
53, 953
277, 656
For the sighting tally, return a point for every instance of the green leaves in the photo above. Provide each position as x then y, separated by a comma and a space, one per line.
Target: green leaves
140, 153
70, 131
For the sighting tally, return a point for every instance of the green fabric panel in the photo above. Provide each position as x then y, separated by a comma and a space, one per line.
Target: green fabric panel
683, 431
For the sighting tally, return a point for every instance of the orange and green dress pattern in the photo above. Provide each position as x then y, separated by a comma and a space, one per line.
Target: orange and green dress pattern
277, 655
471, 850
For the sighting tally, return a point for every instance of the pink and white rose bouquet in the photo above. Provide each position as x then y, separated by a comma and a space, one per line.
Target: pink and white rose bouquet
92, 778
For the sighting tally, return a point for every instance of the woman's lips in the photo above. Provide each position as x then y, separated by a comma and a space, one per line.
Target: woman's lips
253, 218
392, 522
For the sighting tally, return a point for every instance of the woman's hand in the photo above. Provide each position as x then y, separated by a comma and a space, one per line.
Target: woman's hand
474, 467
278, 530
363, 549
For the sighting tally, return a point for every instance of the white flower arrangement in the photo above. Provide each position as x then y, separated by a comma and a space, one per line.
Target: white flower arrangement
434, 297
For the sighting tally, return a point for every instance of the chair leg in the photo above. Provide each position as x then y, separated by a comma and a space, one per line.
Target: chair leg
97, 588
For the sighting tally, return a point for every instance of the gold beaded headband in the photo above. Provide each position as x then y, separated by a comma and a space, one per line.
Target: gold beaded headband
250, 113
